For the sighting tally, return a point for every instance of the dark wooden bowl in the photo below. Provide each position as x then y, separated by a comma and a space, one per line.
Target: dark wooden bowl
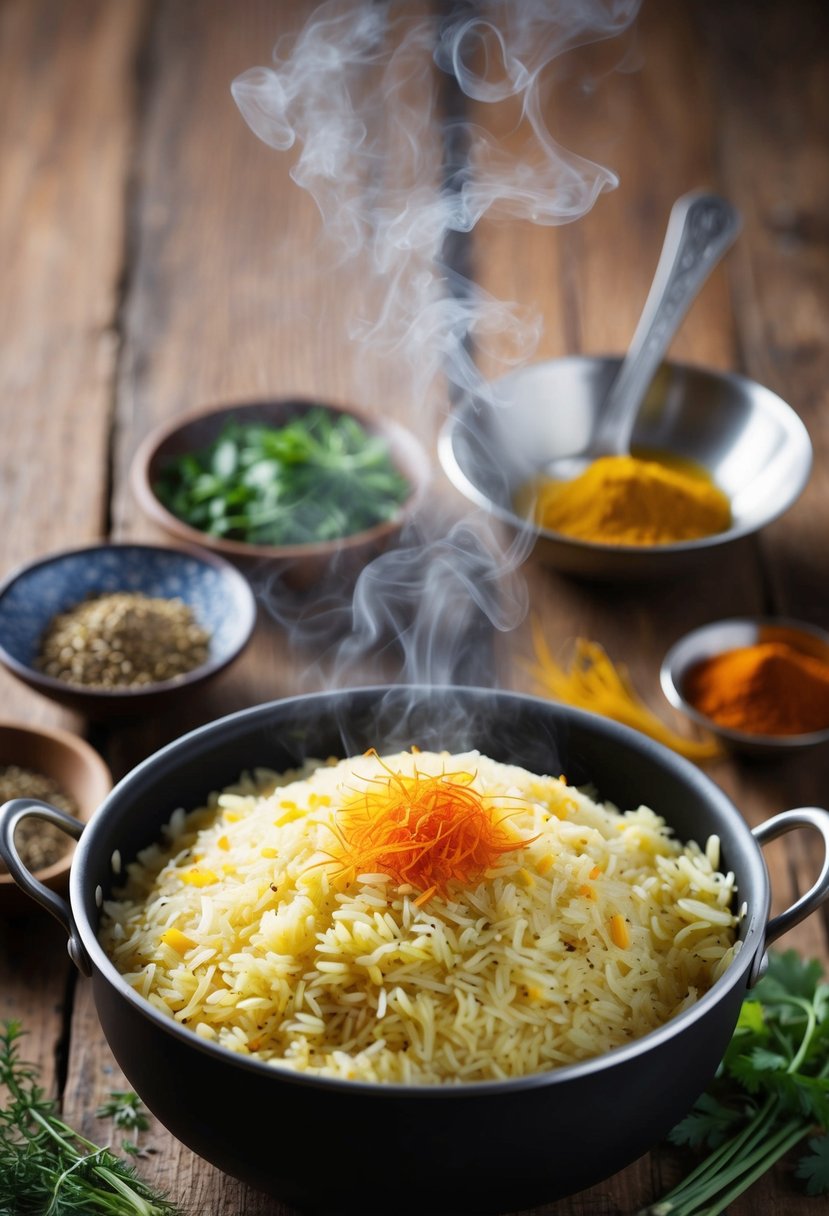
300, 566
76, 768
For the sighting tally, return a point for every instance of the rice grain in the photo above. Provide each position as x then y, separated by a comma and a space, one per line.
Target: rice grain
598, 929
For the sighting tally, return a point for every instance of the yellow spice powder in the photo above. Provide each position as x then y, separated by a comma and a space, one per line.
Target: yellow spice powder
631, 500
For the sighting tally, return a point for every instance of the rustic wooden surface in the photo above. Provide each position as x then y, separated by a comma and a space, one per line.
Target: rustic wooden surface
158, 257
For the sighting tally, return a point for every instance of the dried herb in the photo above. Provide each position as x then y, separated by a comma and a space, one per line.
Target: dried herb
123, 640
39, 844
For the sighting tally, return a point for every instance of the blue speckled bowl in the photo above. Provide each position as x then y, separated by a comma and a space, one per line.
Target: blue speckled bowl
219, 596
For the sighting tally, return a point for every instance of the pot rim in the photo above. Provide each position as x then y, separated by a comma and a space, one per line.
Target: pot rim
734, 975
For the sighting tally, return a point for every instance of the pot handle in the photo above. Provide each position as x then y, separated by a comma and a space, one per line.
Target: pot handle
810, 901
11, 815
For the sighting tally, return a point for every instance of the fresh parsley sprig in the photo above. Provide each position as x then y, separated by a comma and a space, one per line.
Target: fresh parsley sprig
46, 1168
771, 1093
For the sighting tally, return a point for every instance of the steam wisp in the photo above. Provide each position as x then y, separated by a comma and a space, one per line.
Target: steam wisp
355, 98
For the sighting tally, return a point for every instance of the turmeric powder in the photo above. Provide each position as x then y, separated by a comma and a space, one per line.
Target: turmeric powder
633, 500
770, 688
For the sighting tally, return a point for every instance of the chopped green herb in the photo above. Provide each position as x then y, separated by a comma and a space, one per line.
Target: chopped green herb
320, 477
46, 1168
125, 1109
770, 1093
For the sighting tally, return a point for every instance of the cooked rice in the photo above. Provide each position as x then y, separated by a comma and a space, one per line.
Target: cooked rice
600, 929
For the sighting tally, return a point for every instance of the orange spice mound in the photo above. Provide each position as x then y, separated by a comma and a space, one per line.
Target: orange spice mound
422, 830
630, 500
769, 688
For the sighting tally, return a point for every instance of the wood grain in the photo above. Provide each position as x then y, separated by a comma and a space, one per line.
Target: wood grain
160, 258
774, 124
66, 115
774, 121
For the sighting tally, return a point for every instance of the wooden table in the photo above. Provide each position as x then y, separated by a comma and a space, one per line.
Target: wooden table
158, 257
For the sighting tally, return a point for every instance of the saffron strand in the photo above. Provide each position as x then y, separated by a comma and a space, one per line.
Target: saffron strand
594, 683
423, 831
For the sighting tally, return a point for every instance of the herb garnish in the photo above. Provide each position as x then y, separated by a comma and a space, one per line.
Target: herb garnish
127, 1112
770, 1093
125, 1109
46, 1168
320, 477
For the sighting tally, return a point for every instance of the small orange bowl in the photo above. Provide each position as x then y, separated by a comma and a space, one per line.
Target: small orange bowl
79, 772
300, 565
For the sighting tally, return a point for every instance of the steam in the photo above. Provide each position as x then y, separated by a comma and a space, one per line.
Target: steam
356, 101
420, 613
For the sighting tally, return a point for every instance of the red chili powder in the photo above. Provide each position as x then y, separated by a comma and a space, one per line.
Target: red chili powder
767, 689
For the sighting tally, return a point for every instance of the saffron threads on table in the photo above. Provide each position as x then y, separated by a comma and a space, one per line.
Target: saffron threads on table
123, 640
593, 682
770, 688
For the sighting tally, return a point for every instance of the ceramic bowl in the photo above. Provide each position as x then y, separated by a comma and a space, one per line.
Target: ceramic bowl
721, 636
219, 596
751, 442
78, 771
301, 565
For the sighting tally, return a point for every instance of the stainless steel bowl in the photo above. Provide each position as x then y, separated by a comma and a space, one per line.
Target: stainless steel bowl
753, 444
721, 636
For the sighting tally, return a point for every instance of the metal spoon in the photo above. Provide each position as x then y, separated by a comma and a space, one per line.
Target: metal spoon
700, 229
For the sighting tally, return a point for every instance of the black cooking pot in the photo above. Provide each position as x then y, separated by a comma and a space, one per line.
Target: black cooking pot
341, 1146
